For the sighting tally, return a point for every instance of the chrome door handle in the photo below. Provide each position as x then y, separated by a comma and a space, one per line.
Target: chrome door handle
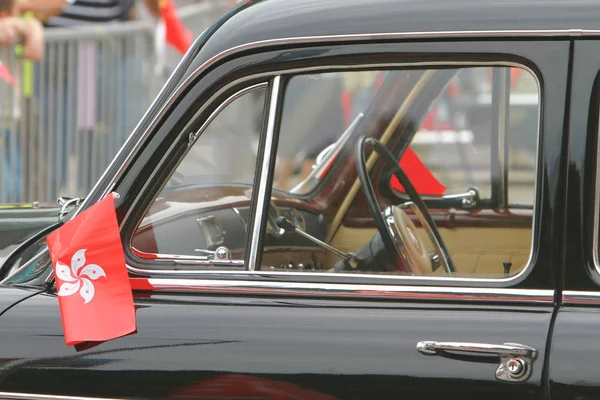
516, 360
431, 348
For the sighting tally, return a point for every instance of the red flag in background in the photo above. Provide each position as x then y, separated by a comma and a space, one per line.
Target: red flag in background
96, 303
177, 34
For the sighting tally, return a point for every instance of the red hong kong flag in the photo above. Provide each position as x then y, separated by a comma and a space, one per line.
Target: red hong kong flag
96, 303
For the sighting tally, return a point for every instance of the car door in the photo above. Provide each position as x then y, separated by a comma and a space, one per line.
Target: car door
573, 359
228, 305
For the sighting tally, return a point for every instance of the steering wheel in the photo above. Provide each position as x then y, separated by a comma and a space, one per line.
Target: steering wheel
397, 230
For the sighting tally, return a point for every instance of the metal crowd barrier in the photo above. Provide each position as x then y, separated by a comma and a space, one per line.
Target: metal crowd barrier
66, 116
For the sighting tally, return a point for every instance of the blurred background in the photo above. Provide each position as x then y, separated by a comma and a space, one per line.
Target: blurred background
75, 81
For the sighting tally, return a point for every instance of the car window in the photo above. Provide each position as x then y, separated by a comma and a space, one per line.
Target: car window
204, 205
453, 131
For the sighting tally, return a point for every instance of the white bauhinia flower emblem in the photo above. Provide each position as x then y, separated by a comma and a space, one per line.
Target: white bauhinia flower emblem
78, 276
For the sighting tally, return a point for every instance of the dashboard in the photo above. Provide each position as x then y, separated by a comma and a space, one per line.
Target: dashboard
176, 228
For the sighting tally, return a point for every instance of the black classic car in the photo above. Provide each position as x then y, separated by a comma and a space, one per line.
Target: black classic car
345, 199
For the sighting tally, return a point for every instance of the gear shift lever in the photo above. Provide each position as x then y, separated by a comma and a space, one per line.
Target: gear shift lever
289, 226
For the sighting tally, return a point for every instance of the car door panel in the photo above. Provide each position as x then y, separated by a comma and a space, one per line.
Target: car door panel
574, 359
344, 349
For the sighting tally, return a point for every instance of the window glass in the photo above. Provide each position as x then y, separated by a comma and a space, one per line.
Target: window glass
203, 209
318, 110
467, 140
457, 142
454, 139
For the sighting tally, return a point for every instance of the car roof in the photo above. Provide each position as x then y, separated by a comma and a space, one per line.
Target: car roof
257, 21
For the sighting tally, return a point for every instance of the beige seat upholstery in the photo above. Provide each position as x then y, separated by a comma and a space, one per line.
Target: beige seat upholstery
476, 251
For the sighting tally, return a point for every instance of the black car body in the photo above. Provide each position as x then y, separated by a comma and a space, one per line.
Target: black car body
277, 314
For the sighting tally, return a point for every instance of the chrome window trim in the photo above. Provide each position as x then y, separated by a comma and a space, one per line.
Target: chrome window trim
420, 293
32, 396
193, 274
441, 279
580, 297
268, 156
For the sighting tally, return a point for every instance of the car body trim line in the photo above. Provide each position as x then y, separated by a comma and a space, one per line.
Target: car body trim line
580, 297
31, 396
347, 290
268, 155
